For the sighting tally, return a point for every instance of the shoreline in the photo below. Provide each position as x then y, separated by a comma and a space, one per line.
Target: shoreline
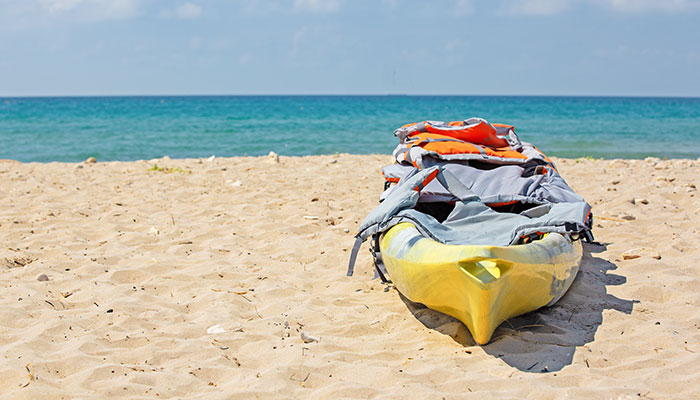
198, 277
649, 159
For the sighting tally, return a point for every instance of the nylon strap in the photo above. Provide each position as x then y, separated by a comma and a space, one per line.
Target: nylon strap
379, 268
353, 255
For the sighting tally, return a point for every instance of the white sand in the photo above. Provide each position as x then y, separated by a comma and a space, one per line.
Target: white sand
141, 263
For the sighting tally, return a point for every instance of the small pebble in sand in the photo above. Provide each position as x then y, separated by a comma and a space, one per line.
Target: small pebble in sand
215, 329
640, 201
631, 254
42, 278
628, 217
346, 230
664, 179
274, 157
154, 231
236, 183
308, 338
618, 164
91, 160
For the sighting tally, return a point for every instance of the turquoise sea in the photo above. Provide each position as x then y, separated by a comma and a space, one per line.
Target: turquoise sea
47, 129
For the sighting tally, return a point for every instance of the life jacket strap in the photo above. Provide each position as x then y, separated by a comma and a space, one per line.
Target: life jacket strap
353, 255
379, 268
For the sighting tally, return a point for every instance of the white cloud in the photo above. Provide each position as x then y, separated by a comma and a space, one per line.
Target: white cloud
311, 43
18, 15
93, 10
453, 45
188, 11
195, 42
297, 39
554, 7
637, 6
463, 7
260, 7
317, 6
184, 11
60, 5
535, 7
245, 59
391, 3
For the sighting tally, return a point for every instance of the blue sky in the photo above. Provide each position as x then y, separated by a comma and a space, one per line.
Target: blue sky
548, 47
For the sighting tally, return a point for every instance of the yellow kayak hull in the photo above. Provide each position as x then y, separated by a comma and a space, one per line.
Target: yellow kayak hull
482, 286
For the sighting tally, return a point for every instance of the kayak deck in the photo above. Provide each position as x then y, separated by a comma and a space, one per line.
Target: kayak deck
482, 286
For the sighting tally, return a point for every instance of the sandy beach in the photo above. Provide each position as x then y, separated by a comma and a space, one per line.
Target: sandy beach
196, 278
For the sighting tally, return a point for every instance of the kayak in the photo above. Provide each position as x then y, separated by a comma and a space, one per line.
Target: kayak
475, 223
482, 286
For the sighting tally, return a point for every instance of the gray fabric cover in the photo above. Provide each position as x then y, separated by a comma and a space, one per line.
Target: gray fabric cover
471, 222
501, 184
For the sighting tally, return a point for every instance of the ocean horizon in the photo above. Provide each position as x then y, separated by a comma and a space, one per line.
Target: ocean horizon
133, 127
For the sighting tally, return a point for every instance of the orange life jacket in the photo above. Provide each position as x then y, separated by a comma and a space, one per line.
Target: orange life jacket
473, 130
447, 145
471, 139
